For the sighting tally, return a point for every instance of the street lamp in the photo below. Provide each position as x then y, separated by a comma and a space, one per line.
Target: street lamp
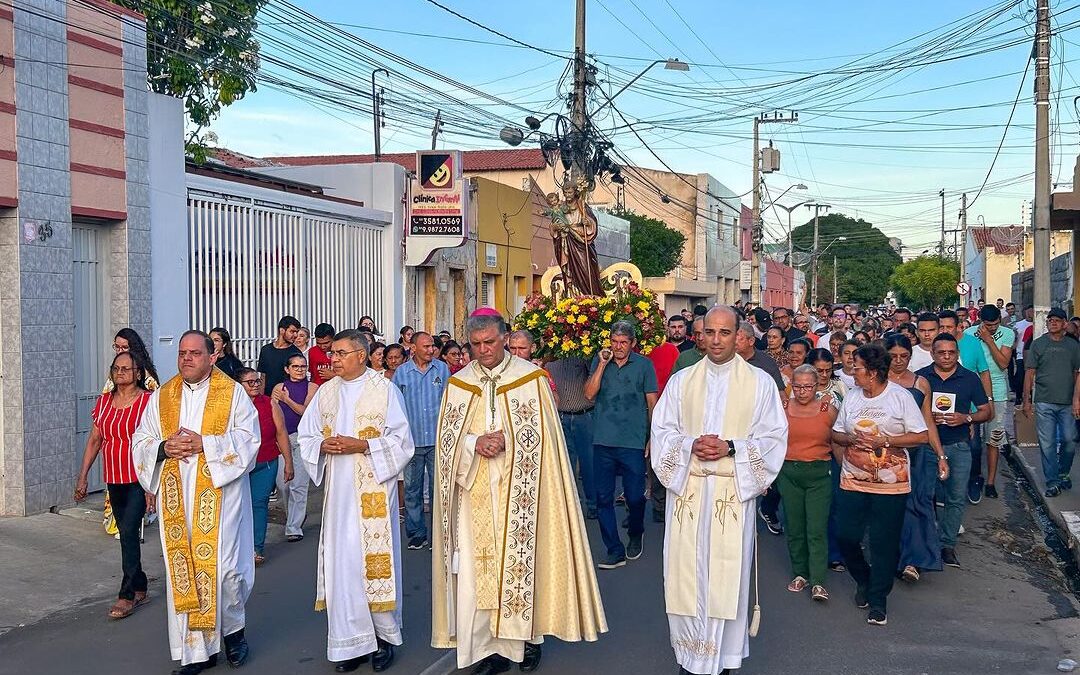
669, 64
841, 238
789, 209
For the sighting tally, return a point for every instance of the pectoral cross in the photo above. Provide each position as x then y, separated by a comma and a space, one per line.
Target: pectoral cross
724, 506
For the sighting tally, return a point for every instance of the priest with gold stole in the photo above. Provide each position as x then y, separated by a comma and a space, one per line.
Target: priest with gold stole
719, 438
193, 448
354, 441
511, 561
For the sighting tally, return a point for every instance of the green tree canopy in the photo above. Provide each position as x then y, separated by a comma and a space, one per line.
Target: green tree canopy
203, 53
927, 282
864, 260
655, 248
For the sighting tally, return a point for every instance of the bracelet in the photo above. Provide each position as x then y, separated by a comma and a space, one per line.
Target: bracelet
943, 457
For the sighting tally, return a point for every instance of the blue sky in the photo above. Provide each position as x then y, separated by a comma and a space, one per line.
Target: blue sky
881, 149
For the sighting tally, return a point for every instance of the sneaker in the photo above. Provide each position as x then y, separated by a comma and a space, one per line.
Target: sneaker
417, 543
771, 521
876, 617
837, 566
633, 548
610, 562
948, 556
975, 489
990, 491
1066, 483
860, 598
910, 574
1052, 491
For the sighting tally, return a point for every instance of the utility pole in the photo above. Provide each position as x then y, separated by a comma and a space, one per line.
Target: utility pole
941, 250
377, 112
757, 231
963, 239
580, 116
834, 298
436, 129
1041, 222
814, 256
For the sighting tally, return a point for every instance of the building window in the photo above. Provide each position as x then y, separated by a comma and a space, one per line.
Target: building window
487, 290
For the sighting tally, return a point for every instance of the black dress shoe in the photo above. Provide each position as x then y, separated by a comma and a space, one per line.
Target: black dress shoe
350, 665
196, 668
532, 658
492, 665
236, 648
383, 656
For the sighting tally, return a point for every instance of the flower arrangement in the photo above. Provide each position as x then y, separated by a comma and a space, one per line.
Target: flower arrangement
582, 326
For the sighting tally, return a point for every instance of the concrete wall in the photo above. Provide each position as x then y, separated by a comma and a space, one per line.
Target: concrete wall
170, 256
1062, 281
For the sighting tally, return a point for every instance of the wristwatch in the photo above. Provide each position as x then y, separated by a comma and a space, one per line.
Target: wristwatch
730, 447
968, 419
943, 457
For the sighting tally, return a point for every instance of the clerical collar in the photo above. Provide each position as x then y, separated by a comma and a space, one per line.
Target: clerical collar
198, 385
720, 368
495, 372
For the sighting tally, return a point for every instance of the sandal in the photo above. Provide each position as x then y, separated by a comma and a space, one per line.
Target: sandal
797, 585
121, 609
819, 593
293, 538
910, 574
259, 559
141, 598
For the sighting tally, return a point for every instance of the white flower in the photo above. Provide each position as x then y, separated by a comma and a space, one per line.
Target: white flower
193, 42
206, 8
246, 55
230, 31
207, 18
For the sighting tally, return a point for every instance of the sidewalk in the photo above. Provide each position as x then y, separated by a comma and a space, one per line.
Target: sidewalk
52, 562
1064, 509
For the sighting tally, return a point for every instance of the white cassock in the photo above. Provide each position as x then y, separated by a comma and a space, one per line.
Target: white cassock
229, 458
704, 644
353, 627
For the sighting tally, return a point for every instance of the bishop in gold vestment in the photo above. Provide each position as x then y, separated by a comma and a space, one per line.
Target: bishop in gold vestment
511, 561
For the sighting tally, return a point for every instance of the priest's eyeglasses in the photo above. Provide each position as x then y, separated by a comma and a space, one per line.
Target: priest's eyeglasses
341, 353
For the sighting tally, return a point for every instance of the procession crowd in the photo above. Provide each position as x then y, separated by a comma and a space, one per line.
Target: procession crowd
862, 436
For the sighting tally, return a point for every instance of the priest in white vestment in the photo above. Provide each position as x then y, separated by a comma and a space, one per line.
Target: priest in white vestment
719, 438
511, 560
193, 448
355, 440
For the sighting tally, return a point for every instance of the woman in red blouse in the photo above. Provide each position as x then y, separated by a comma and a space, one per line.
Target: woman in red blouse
115, 417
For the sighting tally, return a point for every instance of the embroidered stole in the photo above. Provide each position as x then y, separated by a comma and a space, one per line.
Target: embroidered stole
725, 530
372, 501
192, 556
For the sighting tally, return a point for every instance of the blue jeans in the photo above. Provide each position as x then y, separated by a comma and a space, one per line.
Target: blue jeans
577, 430
630, 462
955, 492
423, 458
261, 478
1054, 425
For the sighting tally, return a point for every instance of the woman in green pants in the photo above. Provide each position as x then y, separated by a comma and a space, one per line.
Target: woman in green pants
805, 483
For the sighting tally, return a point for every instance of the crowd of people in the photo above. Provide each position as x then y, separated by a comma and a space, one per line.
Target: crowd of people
859, 435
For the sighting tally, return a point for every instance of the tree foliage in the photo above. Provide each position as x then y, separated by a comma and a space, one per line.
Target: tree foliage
864, 260
202, 53
927, 282
655, 248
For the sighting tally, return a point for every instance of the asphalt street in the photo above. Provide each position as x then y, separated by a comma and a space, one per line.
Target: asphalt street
1006, 611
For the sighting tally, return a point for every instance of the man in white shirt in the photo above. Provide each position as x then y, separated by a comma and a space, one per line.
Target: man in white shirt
927, 328
1017, 381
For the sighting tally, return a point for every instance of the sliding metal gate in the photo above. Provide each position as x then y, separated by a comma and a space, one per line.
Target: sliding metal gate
253, 262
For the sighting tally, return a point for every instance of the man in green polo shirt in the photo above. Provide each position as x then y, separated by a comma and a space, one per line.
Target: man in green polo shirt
622, 385
692, 356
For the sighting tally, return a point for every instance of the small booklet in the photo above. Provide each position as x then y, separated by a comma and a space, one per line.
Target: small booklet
943, 402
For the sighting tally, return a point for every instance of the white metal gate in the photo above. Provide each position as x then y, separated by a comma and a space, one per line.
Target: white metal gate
253, 262
91, 303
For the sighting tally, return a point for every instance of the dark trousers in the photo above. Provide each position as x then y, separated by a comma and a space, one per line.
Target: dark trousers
770, 502
977, 452
630, 462
884, 515
129, 505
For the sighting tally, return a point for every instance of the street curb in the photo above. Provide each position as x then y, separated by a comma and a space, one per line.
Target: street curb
446, 664
1018, 460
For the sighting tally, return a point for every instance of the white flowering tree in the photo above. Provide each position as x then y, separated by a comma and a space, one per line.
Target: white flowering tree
204, 53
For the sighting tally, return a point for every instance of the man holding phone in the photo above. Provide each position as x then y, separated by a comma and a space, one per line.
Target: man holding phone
319, 355
956, 392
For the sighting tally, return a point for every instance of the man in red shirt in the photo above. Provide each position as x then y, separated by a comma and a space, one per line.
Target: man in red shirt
663, 360
319, 355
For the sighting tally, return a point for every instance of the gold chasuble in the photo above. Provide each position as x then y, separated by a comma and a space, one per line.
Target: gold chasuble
527, 550
192, 557
725, 530
368, 420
